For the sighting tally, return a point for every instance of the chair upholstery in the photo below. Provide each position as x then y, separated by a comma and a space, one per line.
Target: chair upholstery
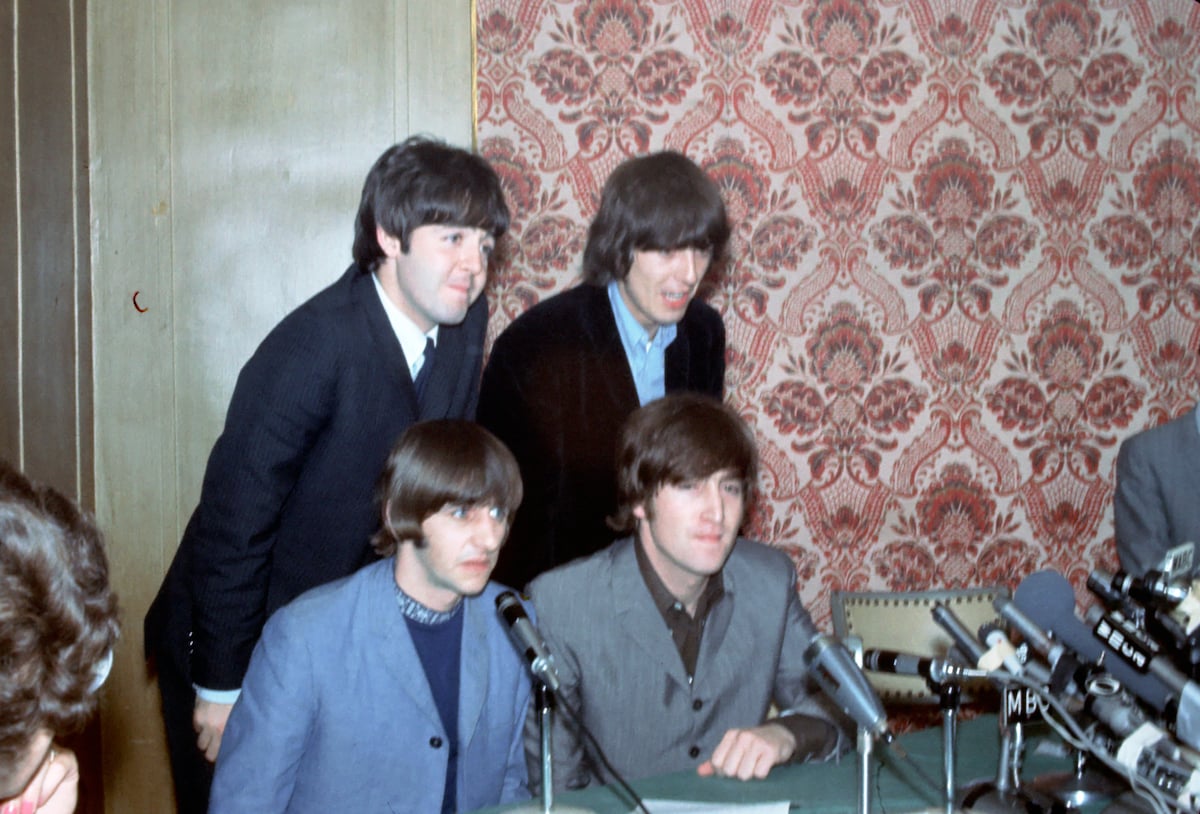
903, 621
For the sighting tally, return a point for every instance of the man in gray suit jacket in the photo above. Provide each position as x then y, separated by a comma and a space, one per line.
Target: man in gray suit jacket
672, 645
1157, 503
396, 689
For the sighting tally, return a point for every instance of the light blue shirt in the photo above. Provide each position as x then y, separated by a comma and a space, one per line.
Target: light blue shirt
646, 354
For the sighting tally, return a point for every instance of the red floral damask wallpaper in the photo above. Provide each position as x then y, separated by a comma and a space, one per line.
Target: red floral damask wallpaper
966, 253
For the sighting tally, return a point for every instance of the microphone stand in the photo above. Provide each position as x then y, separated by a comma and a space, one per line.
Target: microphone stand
1006, 795
950, 699
866, 741
544, 699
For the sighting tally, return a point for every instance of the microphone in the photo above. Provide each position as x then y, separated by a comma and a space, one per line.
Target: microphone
1000, 649
1183, 711
962, 636
1155, 588
833, 668
939, 671
1049, 601
527, 639
1066, 672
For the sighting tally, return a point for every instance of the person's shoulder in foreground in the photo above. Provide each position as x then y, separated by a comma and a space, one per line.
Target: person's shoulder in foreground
58, 627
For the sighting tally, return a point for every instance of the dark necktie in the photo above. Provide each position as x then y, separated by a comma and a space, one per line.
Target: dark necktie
426, 368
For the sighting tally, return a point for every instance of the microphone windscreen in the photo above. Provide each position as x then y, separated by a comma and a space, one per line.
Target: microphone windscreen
1048, 599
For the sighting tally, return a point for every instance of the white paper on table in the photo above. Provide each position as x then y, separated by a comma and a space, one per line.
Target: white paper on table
692, 807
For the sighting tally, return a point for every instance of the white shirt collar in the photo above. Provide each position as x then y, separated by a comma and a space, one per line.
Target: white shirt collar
412, 341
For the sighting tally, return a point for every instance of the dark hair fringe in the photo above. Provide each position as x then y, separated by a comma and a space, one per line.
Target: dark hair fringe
657, 202
422, 181
679, 438
439, 463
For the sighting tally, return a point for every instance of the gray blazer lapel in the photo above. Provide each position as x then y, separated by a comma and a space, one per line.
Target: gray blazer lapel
474, 670
723, 652
640, 619
396, 652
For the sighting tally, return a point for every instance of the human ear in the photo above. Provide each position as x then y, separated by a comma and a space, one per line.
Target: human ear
388, 243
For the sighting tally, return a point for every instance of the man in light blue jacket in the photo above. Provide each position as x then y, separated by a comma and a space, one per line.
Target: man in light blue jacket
397, 688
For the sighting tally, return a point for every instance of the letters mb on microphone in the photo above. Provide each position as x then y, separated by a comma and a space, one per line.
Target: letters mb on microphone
1022, 705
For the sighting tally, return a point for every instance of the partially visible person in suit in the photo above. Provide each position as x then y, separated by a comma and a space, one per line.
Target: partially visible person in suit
396, 689
286, 502
564, 376
673, 643
58, 626
1157, 503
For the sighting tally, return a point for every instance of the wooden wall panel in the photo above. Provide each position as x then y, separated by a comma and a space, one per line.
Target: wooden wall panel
45, 326
278, 110
435, 37
49, 282
136, 501
10, 353
229, 144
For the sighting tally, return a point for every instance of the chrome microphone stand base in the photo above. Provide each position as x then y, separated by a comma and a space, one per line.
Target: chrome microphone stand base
1078, 790
984, 798
1084, 786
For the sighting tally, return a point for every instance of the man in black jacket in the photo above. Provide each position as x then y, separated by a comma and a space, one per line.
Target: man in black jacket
287, 501
564, 376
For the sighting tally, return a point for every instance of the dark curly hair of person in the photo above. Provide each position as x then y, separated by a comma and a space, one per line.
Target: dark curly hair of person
58, 615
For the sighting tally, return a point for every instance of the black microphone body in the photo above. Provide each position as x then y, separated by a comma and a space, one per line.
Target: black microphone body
1066, 673
1049, 601
939, 671
527, 639
1154, 588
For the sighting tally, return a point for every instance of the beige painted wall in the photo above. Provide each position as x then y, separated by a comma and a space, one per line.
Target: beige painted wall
229, 141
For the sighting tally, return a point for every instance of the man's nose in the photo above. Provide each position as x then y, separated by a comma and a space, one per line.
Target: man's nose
471, 254
487, 532
691, 265
714, 506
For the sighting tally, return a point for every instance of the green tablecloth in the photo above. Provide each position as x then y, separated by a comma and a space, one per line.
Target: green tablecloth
833, 786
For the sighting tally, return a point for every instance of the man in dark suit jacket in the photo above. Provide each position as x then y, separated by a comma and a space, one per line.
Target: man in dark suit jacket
671, 646
287, 498
564, 376
1157, 507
